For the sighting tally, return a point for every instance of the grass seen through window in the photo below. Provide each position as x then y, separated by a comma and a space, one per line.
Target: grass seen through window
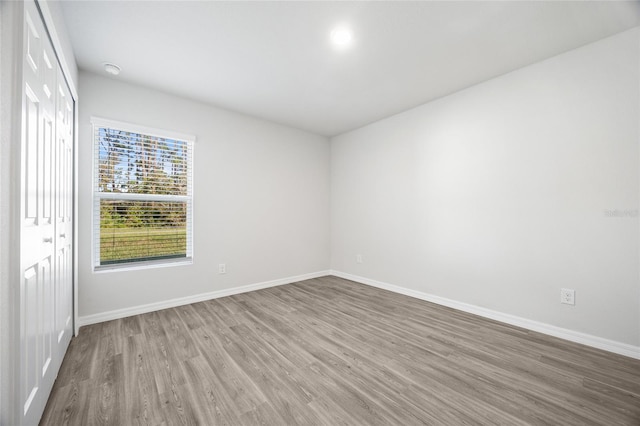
141, 230
130, 244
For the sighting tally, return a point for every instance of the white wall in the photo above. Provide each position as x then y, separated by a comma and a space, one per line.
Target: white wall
261, 198
497, 196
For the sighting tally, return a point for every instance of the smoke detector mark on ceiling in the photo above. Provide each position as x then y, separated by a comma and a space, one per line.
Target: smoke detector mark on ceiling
112, 69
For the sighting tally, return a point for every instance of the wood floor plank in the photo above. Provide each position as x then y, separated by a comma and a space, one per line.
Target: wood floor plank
69, 405
105, 407
164, 353
130, 326
77, 363
239, 389
329, 351
142, 400
212, 403
189, 316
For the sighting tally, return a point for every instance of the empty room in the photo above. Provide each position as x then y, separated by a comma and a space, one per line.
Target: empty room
319, 213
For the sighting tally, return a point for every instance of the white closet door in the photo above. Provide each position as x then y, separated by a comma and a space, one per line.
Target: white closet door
63, 216
45, 241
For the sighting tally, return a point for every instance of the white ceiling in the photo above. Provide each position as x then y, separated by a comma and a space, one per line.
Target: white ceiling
274, 60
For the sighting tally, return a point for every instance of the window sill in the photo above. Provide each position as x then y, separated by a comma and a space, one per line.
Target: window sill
153, 264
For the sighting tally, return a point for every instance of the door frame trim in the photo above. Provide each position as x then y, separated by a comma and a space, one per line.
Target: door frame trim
12, 87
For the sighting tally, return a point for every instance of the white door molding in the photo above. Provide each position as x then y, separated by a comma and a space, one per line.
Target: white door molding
11, 41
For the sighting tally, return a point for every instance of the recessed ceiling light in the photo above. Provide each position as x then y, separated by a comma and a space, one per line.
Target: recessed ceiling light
341, 36
112, 69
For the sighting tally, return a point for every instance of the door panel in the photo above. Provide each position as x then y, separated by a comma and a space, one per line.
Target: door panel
30, 327
33, 39
45, 168
30, 125
47, 322
64, 207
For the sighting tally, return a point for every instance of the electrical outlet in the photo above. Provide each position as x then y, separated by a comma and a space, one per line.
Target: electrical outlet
568, 296
358, 258
222, 268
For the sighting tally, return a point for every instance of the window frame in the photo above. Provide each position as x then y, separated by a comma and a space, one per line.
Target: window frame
98, 122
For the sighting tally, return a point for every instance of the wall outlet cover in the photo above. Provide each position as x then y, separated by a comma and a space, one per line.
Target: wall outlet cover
568, 296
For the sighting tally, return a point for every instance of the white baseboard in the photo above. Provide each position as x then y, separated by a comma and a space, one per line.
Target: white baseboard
151, 307
563, 333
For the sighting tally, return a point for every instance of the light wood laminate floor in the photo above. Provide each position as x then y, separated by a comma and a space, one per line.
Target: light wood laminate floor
330, 351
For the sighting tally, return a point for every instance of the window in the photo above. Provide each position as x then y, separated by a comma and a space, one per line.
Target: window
142, 196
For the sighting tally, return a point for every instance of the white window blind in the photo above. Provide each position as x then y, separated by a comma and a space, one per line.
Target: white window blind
142, 196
